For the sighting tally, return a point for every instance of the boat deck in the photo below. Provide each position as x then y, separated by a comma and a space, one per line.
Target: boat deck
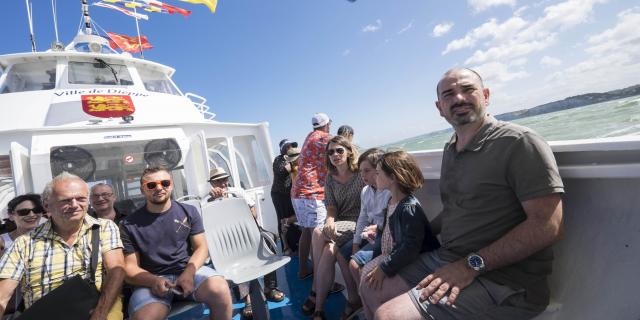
290, 308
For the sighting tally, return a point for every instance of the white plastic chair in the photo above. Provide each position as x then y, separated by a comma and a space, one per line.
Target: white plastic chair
238, 249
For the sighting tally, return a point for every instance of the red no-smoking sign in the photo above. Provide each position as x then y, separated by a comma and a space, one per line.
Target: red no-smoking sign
128, 159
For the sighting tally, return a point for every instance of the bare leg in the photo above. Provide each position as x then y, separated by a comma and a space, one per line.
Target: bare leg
304, 247
152, 311
352, 286
354, 271
325, 273
400, 307
214, 292
373, 299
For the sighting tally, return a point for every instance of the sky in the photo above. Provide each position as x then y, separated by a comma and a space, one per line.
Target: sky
371, 64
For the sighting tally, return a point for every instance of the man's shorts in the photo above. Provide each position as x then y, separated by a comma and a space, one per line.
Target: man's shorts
482, 299
142, 295
310, 213
362, 256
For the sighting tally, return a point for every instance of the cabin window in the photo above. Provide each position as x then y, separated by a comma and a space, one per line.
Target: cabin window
157, 81
252, 169
218, 151
30, 76
99, 72
121, 165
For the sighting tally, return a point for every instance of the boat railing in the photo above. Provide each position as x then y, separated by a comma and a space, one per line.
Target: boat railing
201, 104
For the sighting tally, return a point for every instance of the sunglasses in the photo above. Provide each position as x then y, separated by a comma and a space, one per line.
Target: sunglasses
25, 212
153, 184
336, 150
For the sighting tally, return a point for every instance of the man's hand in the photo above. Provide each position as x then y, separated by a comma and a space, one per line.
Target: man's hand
375, 278
216, 193
185, 282
161, 286
452, 278
329, 230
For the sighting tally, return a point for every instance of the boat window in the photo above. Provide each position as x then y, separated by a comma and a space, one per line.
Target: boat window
30, 76
97, 72
218, 150
252, 169
157, 81
121, 165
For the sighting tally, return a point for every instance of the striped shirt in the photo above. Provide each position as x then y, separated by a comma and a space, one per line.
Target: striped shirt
41, 260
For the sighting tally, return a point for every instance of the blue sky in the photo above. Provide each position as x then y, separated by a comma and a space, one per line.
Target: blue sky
370, 64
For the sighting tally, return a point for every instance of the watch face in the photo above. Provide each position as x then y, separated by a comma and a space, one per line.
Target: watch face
476, 262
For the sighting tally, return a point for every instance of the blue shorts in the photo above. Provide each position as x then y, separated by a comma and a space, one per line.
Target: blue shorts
142, 296
364, 255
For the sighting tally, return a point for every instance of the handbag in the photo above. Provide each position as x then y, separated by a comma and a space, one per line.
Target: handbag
75, 298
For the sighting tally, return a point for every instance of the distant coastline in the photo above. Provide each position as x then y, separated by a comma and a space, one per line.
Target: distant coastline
567, 103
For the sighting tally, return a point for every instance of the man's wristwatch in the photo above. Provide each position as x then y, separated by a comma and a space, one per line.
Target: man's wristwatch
476, 262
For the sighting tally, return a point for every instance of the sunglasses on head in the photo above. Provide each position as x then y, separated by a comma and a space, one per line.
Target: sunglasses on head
25, 212
336, 150
153, 184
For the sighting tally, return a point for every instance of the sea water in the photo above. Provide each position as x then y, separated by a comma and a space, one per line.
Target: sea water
607, 119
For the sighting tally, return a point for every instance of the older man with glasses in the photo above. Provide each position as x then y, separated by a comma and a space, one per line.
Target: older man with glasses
102, 199
165, 250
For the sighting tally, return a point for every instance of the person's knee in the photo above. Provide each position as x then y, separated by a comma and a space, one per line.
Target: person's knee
151, 311
383, 313
214, 290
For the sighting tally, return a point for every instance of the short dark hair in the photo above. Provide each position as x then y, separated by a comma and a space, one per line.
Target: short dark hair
450, 71
345, 131
404, 168
152, 170
36, 199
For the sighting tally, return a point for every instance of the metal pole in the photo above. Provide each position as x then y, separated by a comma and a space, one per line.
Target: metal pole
30, 17
55, 18
137, 28
86, 17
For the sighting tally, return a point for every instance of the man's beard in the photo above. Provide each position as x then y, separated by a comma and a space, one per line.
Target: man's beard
154, 201
470, 117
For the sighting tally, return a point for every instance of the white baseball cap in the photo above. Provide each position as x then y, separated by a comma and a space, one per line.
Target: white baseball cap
320, 120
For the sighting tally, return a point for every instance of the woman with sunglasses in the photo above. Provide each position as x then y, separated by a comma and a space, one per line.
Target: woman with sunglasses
342, 196
25, 211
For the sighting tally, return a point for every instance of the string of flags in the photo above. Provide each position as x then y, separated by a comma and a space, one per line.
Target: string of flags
153, 6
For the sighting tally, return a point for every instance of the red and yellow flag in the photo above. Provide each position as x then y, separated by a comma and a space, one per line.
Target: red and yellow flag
211, 4
128, 43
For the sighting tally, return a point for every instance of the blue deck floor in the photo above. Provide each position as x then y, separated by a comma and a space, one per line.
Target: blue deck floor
296, 292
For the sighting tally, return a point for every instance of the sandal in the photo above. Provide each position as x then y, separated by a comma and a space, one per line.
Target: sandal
247, 311
309, 305
335, 288
274, 295
351, 310
319, 314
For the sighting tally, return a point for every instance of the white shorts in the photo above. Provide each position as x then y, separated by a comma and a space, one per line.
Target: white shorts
310, 213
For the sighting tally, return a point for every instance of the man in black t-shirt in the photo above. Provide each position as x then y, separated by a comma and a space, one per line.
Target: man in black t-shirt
157, 239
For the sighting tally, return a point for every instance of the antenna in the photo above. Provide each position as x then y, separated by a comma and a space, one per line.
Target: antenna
30, 16
57, 45
137, 28
87, 18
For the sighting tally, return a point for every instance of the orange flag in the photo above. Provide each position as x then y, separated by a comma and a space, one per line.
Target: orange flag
127, 43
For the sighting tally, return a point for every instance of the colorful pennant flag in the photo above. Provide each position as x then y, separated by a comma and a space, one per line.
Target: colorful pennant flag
168, 8
150, 6
125, 11
211, 4
128, 43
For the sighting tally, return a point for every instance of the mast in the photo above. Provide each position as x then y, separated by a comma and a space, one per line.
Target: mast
137, 28
30, 16
86, 17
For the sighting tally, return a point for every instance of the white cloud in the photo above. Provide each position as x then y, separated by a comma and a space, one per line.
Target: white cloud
623, 37
481, 5
517, 37
373, 27
499, 72
346, 52
548, 61
407, 28
520, 11
442, 29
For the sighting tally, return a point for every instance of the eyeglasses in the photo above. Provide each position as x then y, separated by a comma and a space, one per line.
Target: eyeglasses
102, 195
336, 150
25, 212
153, 184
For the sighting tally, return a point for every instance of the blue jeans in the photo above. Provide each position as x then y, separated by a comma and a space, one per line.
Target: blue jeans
142, 295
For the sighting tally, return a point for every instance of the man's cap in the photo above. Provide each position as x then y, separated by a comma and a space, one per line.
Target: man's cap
217, 173
285, 143
292, 154
320, 120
